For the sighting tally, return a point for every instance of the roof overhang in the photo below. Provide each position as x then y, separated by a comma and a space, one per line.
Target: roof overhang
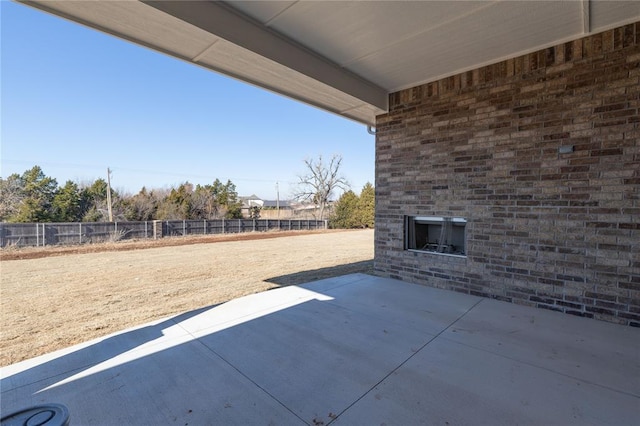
344, 57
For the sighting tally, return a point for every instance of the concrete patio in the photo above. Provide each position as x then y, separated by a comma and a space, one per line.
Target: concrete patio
350, 350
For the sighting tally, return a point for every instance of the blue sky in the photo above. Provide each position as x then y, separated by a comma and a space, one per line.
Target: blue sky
75, 101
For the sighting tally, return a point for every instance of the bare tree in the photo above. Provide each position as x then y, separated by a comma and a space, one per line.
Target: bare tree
12, 194
320, 181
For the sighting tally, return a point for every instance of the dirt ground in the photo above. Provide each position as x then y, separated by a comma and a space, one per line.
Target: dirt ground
55, 297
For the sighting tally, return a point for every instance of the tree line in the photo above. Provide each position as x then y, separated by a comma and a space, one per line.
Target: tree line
35, 197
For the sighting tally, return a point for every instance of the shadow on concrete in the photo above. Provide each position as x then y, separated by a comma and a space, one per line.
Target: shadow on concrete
110, 347
101, 351
364, 267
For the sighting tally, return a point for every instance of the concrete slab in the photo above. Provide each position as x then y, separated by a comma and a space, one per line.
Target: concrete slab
423, 308
353, 350
587, 349
448, 383
248, 308
327, 284
316, 358
185, 384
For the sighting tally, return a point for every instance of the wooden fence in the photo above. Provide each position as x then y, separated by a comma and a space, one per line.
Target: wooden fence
44, 234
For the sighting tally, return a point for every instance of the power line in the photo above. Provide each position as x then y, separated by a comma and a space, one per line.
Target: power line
142, 171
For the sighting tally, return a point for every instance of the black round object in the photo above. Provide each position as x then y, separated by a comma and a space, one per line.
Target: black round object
39, 415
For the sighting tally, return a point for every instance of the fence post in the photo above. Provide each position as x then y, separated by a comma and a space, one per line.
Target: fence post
239, 226
184, 228
80, 232
326, 224
44, 236
223, 227
205, 226
157, 229
254, 225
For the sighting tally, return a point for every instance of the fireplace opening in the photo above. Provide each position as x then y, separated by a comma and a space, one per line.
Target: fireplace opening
441, 235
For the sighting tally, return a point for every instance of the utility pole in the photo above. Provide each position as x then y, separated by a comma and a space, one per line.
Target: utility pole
109, 195
278, 200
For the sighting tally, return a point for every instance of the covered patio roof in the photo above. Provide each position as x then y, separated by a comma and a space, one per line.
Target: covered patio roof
345, 57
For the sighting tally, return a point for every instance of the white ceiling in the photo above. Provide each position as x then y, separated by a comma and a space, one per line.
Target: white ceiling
345, 57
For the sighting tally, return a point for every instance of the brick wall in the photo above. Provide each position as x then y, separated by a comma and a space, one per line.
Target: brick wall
554, 230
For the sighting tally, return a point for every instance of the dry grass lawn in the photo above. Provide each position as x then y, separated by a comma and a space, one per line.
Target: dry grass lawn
67, 297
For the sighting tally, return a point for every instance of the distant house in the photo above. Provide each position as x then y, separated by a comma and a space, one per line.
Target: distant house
251, 201
248, 202
277, 209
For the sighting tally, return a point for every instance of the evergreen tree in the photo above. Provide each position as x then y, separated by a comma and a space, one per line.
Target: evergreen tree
366, 207
233, 206
177, 205
352, 211
345, 211
67, 204
94, 201
38, 190
215, 201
